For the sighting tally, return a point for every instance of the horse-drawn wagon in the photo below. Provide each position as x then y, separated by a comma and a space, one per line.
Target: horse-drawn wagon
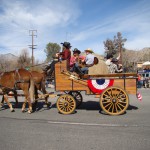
112, 89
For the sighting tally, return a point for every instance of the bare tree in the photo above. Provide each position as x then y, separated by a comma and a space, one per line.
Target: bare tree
7, 64
24, 59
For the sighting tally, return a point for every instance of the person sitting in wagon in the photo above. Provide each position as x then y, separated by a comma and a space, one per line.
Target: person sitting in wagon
75, 60
64, 55
83, 67
109, 58
89, 61
112, 64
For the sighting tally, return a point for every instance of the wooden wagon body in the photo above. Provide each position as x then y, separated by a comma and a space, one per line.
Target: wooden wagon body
113, 98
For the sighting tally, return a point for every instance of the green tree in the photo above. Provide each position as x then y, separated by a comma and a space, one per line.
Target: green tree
51, 50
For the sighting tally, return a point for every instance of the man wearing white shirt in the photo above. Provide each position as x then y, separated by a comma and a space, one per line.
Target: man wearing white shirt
89, 60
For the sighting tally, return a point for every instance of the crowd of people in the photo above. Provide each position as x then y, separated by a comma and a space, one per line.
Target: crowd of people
80, 64
143, 81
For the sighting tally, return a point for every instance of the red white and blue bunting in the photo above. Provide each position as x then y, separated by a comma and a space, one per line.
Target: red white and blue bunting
99, 85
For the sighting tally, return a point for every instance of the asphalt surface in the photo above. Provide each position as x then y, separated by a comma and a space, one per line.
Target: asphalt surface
87, 129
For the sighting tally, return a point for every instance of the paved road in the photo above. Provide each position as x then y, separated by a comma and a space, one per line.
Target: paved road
87, 129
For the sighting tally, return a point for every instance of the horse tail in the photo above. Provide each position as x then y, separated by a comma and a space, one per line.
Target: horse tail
31, 89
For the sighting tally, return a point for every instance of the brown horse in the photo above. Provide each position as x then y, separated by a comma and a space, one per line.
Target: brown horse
18, 79
39, 81
39, 84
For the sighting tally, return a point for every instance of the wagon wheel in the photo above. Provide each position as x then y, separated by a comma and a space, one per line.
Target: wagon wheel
66, 104
114, 101
77, 96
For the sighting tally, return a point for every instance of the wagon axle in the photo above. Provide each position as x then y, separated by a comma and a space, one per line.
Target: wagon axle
114, 100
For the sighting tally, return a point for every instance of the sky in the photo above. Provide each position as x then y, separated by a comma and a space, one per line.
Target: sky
84, 23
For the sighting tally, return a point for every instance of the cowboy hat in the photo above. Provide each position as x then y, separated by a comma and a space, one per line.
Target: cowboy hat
76, 51
66, 44
114, 60
89, 50
109, 55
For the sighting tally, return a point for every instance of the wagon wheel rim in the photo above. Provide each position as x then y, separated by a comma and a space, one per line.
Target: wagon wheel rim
114, 101
66, 104
77, 96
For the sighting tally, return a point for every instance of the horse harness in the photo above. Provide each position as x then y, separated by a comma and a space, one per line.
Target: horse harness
8, 89
19, 79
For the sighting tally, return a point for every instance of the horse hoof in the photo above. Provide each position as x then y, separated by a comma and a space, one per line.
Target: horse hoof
23, 111
1, 105
12, 110
29, 111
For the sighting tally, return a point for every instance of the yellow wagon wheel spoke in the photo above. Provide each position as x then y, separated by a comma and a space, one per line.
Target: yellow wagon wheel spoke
113, 108
106, 102
114, 101
122, 102
109, 104
110, 107
118, 107
66, 104
121, 105
115, 105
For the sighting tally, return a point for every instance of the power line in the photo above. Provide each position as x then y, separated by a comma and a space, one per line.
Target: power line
32, 33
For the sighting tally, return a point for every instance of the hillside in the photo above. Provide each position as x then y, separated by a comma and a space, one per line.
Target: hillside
8, 62
130, 59
138, 55
9, 57
133, 55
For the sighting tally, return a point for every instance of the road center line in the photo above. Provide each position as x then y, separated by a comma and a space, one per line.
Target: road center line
92, 124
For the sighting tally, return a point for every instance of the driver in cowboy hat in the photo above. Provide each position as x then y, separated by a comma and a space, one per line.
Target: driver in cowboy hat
64, 55
89, 60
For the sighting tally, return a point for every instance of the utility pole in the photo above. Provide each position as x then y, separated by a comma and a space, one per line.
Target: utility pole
32, 33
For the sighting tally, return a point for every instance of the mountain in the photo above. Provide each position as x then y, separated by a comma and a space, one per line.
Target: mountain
138, 55
9, 57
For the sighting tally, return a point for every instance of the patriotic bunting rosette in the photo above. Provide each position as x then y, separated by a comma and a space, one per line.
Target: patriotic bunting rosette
99, 85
